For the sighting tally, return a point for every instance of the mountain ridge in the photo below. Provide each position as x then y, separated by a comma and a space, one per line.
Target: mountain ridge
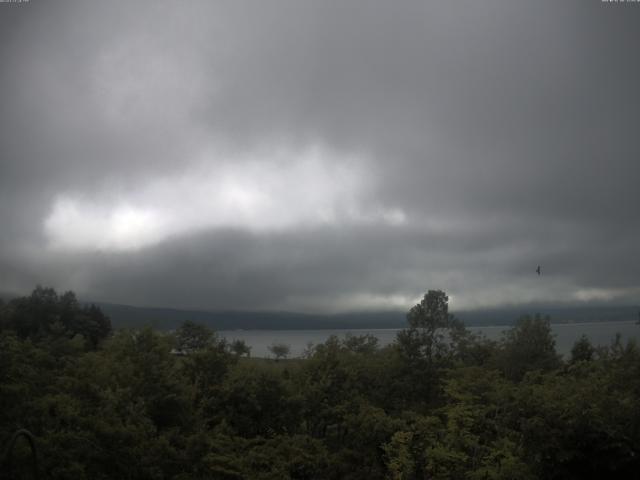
170, 318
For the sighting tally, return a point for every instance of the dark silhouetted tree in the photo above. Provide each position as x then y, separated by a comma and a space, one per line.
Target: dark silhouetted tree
280, 350
528, 346
583, 350
45, 314
240, 348
191, 337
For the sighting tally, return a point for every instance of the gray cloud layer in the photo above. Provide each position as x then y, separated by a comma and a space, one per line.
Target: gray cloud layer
320, 155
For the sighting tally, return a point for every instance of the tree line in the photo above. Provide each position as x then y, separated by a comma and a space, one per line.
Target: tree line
438, 403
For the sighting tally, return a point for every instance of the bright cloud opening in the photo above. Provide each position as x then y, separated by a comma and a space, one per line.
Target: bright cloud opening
290, 190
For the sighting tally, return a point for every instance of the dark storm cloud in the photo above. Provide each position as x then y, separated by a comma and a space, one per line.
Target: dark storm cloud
320, 156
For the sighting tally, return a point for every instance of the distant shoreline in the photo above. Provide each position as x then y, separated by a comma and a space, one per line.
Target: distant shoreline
366, 329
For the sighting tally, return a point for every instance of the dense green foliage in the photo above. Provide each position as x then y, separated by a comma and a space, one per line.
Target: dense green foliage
439, 403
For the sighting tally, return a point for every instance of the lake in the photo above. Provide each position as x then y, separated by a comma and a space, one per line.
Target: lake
600, 333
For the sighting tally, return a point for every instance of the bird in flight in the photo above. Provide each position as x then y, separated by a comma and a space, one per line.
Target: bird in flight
538, 270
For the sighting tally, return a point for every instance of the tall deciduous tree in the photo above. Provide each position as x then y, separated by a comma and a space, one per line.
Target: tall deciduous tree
583, 350
280, 350
191, 337
528, 346
240, 348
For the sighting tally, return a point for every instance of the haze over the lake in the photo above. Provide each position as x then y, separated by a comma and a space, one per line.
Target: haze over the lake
321, 156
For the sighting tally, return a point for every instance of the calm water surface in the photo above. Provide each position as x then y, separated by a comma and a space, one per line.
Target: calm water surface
600, 333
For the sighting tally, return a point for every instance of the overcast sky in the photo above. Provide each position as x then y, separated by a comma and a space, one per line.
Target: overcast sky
321, 156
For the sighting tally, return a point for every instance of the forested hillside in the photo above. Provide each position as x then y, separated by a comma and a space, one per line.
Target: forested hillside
440, 403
